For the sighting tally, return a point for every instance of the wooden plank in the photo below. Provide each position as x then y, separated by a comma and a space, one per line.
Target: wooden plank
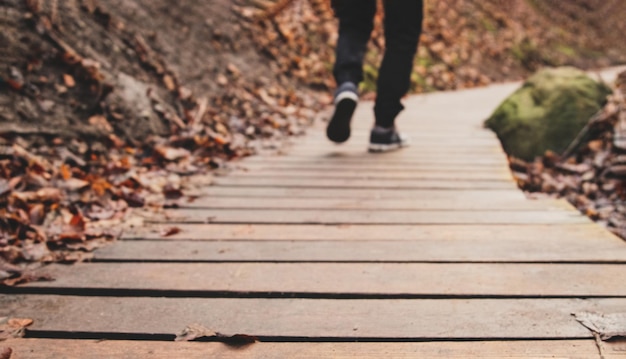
86, 349
301, 216
613, 349
419, 133
367, 160
454, 176
534, 233
440, 139
487, 249
366, 279
372, 169
303, 146
452, 203
282, 182
409, 153
358, 193
308, 318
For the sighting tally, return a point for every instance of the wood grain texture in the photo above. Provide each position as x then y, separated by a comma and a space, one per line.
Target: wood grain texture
92, 349
244, 216
367, 279
282, 182
356, 193
453, 203
487, 249
312, 318
534, 234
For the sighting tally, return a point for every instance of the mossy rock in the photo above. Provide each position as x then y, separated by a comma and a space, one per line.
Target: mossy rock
547, 112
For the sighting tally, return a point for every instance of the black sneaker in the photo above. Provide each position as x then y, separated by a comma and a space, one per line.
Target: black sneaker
346, 98
386, 139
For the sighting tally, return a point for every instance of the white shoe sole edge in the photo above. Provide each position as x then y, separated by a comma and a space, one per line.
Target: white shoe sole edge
346, 95
379, 147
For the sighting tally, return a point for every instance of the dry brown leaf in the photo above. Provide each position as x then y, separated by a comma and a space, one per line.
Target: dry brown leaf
222, 80
78, 222
20, 322
65, 171
49, 195
37, 213
195, 331
171, 153
170, 231
169, 83
100, 122
172, 192
68, 80
6, 353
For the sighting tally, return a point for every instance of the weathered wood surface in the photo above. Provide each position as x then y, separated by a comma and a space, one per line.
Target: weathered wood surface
410, 319
366, 279
282, 182
77, 349
367, 217
398, 175
427, 252
480, 203
478, 250
585, 234
355, 193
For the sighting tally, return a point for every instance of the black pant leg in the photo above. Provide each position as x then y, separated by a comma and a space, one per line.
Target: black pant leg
403, 26
356, 21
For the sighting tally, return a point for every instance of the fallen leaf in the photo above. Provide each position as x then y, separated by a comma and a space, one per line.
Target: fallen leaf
65, 171
6, 353
607, 326
222, 80
171, 153
13, 327
233, 70
74, 184
134, 199
20, 322
49, 195
37, 214
168, 81
170, 231
195, 331
171, 192
100, 122
78, 222
69, 80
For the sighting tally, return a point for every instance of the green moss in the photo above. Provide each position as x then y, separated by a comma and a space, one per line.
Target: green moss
566, 50
548, 112
370, 77
489, 24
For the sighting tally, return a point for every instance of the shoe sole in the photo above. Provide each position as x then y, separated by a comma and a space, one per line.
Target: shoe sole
380, 147
338, 129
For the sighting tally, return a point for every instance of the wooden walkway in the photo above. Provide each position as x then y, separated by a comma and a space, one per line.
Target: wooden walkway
331, 252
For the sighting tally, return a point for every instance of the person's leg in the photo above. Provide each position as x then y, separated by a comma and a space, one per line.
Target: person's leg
356, 21
355, 27
403, 26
